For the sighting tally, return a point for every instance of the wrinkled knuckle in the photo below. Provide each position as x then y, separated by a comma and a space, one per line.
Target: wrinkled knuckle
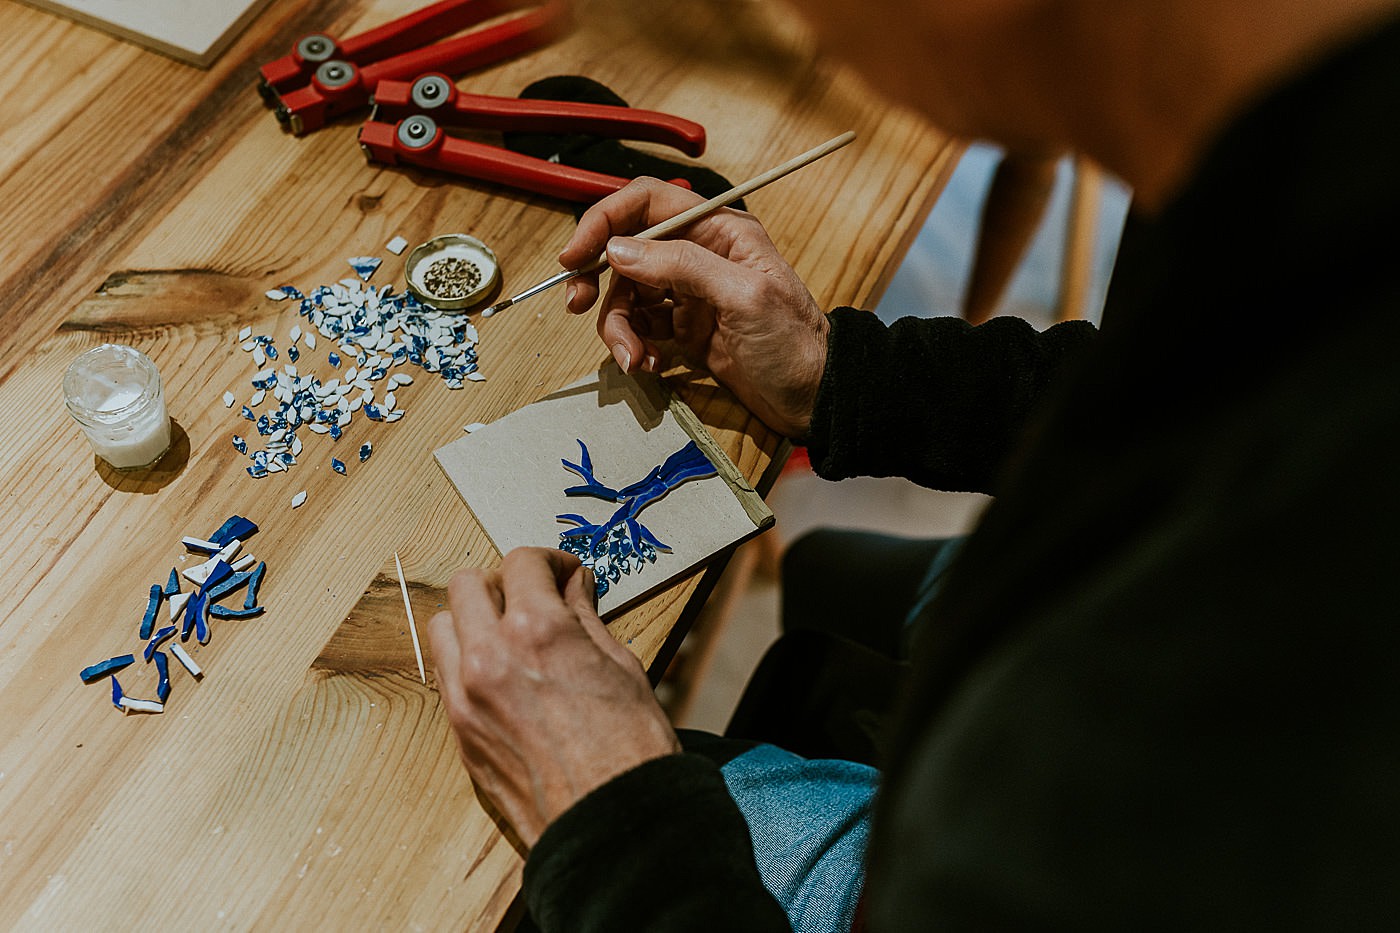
513, 557
485, 669
681, 266
464, 580
529, 628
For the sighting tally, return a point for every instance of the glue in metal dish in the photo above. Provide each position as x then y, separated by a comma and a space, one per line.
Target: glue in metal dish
451, 272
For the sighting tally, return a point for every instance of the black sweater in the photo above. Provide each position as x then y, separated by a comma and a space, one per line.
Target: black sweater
1160, 687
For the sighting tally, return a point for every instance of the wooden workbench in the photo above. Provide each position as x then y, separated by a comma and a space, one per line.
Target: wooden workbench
310, 780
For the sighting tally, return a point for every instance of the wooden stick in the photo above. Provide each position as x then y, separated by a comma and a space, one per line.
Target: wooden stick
675, 223
412, 628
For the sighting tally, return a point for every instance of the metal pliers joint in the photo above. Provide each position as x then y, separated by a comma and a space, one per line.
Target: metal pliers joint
409, 121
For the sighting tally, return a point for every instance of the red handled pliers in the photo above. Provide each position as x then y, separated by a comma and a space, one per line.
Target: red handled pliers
418, 111
323, 78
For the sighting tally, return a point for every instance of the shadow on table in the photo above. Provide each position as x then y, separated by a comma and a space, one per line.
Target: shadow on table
155, 477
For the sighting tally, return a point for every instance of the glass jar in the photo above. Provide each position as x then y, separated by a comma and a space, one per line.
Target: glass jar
114, 392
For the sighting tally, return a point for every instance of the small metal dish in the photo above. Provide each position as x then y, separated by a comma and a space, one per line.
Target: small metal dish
421, 276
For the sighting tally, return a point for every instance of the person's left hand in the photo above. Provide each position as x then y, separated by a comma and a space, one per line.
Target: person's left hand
545, 703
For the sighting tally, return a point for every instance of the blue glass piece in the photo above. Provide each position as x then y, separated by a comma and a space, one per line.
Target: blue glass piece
201, 619
163, 675
650, 543
158, 639
152, 607
215, 593
234, 527
224, 612
192, 614
622, 543
103, 668
222, 571
364, 266
254, 581
591, 486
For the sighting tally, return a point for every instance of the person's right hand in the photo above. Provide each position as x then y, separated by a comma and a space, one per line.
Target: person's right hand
720, 289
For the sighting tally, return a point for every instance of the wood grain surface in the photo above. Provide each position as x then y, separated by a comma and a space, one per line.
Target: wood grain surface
310, 780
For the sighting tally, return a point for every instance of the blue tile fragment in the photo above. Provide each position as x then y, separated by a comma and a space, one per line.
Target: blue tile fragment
163, 673
338, 466
103, 668
364, 266
225, 612
255, 581
117, 693
235, 526
201, 623
193, 610
158, 639
365, 450
172, 586
152, 607
215, 593
221, 572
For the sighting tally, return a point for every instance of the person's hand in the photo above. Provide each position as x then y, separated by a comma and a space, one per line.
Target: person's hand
720, 289
545, 703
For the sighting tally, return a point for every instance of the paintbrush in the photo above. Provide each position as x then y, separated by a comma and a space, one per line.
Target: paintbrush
689, 216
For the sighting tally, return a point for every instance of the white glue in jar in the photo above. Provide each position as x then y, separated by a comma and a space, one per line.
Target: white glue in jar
114, 392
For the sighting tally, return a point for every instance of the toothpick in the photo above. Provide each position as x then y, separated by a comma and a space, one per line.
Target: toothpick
412, 629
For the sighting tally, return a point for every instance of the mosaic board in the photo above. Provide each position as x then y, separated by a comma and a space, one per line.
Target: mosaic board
194, 31
511, 475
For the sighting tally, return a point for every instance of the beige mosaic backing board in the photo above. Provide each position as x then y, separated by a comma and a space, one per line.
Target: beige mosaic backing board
194, 31
510, 476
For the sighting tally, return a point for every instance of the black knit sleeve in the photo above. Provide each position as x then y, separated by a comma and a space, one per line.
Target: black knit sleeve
660, 848
935, 400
